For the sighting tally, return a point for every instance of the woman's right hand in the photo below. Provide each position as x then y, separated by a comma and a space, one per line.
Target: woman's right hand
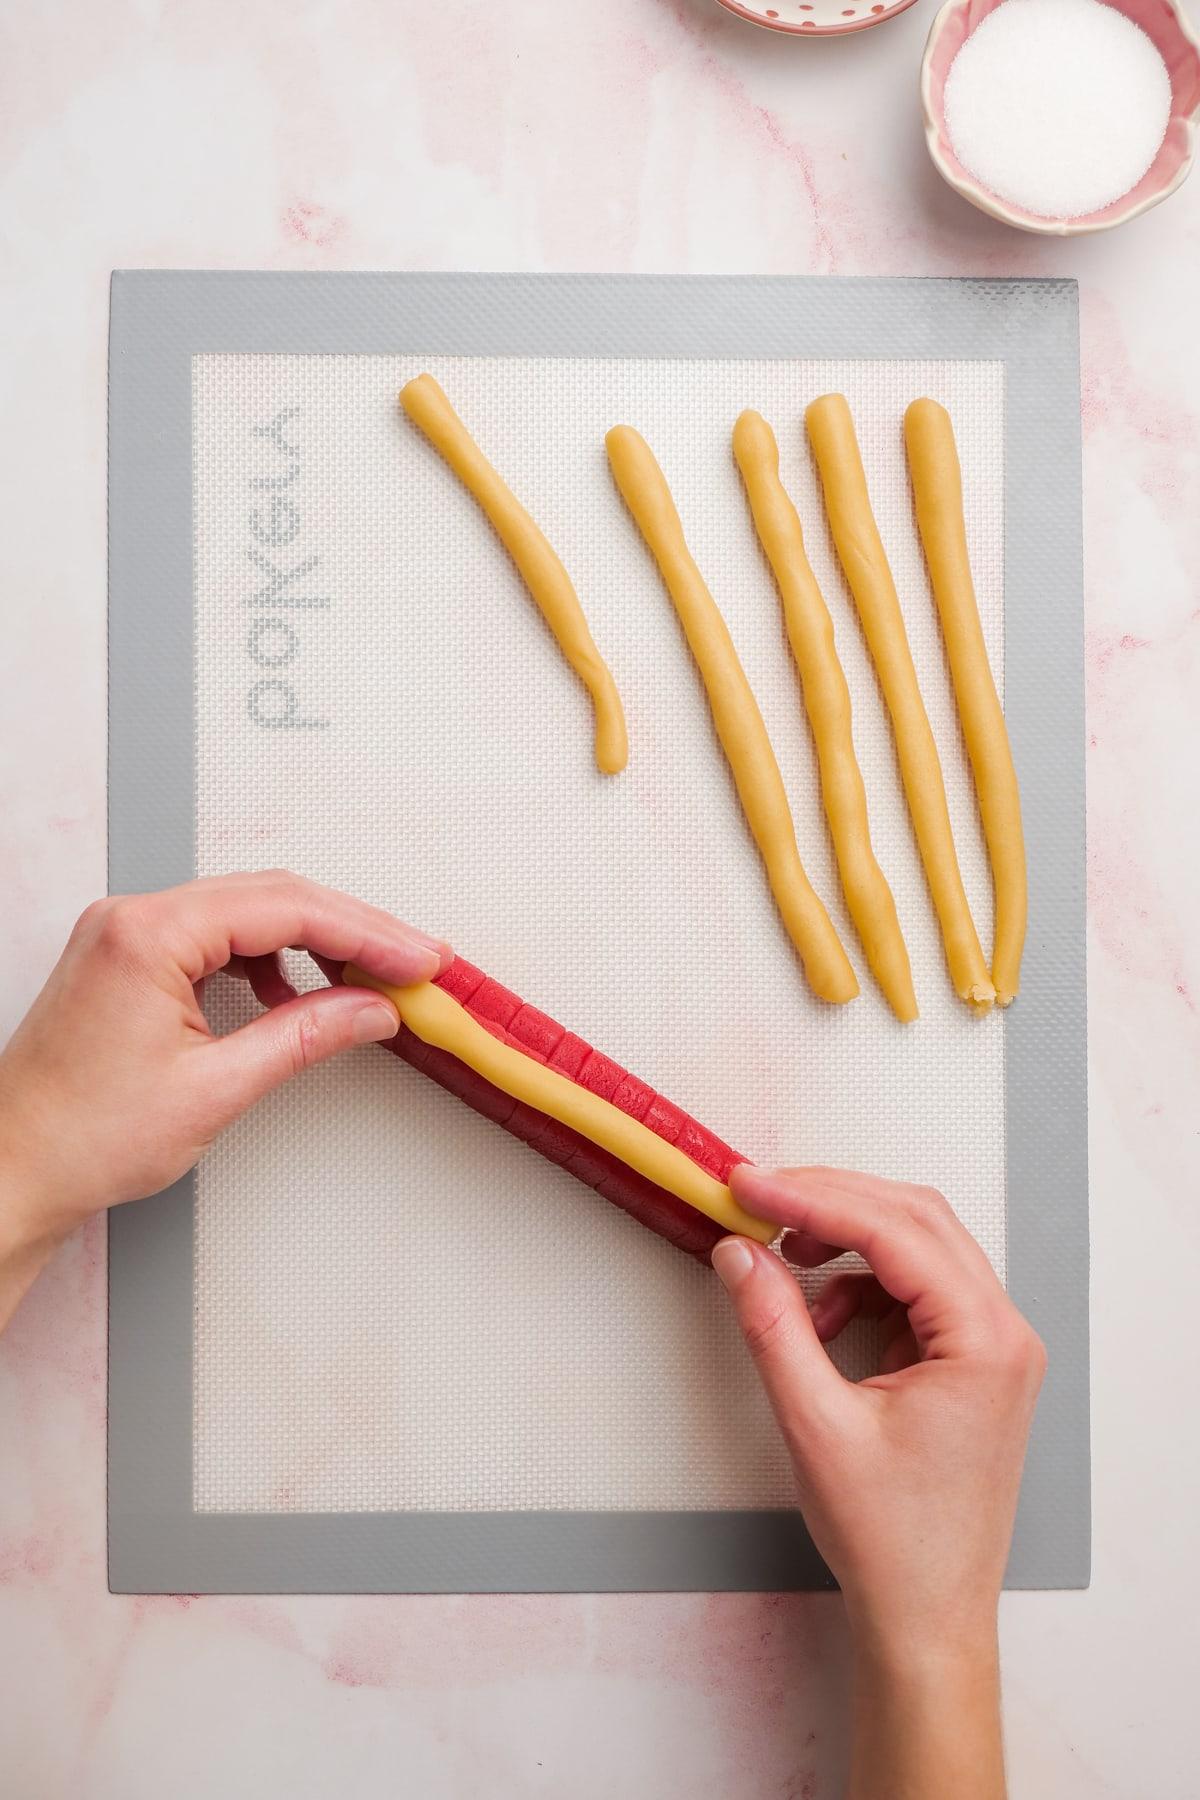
908, 1481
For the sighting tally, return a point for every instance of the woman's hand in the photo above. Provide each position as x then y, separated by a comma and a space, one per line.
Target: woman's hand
908, 1481
113, 1085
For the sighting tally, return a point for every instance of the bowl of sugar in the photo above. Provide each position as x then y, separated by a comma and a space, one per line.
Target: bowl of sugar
1062, 116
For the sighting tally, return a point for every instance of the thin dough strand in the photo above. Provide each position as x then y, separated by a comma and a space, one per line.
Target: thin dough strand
739, 724
438, 1019
541, 570
861, 553
827, 702
937, 488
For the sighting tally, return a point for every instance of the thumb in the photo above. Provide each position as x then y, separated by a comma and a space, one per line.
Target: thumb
297, 1036
799, 1378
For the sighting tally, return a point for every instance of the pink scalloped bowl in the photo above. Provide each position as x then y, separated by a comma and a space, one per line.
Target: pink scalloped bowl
1166, 27
817, 18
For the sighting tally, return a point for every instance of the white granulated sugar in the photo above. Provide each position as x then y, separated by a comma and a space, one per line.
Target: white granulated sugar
1057, 106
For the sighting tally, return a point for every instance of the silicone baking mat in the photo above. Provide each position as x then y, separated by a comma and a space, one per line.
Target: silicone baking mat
374, 1343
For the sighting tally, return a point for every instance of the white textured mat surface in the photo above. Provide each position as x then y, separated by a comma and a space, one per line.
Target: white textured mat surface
397, 1306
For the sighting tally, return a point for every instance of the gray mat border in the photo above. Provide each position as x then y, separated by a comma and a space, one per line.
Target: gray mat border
158, 321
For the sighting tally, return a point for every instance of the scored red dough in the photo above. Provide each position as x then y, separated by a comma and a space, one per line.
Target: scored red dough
508, 1018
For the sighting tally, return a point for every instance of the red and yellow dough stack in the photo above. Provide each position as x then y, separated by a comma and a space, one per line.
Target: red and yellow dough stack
702, 1159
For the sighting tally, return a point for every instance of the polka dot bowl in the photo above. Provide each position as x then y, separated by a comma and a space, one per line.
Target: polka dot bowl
1166, 27
819, 18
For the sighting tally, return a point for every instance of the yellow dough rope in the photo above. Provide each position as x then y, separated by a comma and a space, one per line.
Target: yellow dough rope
861, 553
437, 1019
735, 713
827, 702
541, 570
937, 488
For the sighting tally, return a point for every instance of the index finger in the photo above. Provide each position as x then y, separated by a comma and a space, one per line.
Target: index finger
207, 922
909, 1237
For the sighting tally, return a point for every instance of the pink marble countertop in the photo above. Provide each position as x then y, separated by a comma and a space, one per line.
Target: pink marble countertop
638, 135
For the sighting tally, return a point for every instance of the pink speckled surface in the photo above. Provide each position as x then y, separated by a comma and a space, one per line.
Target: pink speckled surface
645, 134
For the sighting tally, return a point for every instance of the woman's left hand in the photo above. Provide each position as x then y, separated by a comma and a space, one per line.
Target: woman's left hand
114, 1085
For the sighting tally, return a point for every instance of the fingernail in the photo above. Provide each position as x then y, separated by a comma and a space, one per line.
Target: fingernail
439, 946
372, 1024
733, 1260
749, 1176
772, 1186
429, 963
